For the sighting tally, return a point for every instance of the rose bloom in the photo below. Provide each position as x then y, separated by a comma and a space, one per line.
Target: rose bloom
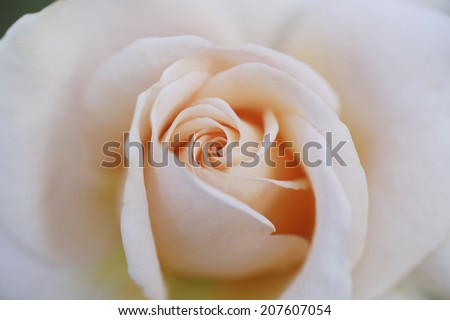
80, 74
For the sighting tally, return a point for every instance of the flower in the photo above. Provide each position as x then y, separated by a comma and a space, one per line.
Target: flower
79, 74
233, 222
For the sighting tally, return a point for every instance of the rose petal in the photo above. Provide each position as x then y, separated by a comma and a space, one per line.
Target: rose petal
137, 235
242, 245
238, 87
64, 210
390, 65
235, 240
198, 111
433, 275
220, 58
288, 204
442, 5
263, 21
23, 275
326, 273
299, 103
112, 92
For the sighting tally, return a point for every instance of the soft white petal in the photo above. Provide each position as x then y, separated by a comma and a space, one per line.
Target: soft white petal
390, 64
263, 21
23, 275
442, 5
432, 276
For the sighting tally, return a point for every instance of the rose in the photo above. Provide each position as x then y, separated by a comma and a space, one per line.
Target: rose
86, 106
222, 94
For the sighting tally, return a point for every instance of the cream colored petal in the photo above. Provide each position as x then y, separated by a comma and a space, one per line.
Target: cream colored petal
201, 126
326, 273
390, 64
288, 204
174, 98
250, 87
263, 21
113, 90
220, 58
200, 231
249, 53
137, 235
254, 146
197, 111
250, 190
224, 107
432, 276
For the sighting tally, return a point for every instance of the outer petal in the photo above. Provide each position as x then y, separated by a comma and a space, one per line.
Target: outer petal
390, 64
442, 5
23, 275
136, 227
60, 200
20, 270
433, 275
263, 21
430, 280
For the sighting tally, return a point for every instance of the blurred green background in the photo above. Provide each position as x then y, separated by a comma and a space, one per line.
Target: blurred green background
11, 10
